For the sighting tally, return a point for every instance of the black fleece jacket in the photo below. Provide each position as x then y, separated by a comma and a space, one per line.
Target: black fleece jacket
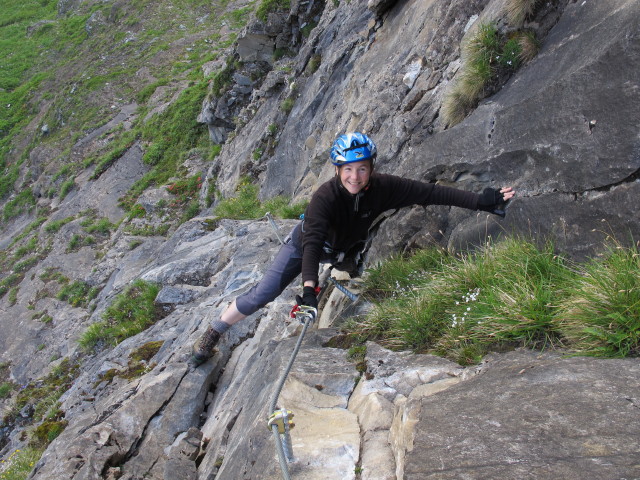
342, 220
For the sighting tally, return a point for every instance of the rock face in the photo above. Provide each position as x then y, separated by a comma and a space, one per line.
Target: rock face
562, 130
410, 416
505, 434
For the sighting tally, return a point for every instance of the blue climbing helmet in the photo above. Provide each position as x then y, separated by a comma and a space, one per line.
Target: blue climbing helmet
353, 147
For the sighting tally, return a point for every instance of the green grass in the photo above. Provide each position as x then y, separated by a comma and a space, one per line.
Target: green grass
78, 293
145, 93
246, 205
170, 135
287, 104
20, 463
117, 149
239, 18
11, 280
100, 226
268, 6
21, 203
132, 312
505, 295
137, 365
5, 389
54, 226
44, 393
601, 313
28, 49
23, 250
37, 46
20, 51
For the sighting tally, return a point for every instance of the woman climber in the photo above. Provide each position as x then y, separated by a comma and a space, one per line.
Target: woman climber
335, 228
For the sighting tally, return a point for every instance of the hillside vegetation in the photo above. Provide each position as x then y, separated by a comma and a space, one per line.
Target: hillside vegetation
67, 71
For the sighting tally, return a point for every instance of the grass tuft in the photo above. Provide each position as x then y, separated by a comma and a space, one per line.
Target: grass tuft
505, 295
529, 46
488, 59
268, 6
132, 312
519, 10
601, 314
246, 205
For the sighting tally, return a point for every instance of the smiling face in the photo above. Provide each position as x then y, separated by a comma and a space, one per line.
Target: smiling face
354, 176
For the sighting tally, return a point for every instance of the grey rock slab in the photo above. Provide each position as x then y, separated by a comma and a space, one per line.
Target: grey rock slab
531, 415
326, 436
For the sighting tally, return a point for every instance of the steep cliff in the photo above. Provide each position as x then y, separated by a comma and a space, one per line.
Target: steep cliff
562, 129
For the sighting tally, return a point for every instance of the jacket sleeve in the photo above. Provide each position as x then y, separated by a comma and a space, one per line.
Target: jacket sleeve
404, 192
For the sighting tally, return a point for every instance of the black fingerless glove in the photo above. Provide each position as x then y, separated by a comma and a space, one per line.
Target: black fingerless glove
308, 298
489, 199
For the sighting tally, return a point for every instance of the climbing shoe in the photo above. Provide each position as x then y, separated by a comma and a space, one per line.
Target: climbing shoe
204, 348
